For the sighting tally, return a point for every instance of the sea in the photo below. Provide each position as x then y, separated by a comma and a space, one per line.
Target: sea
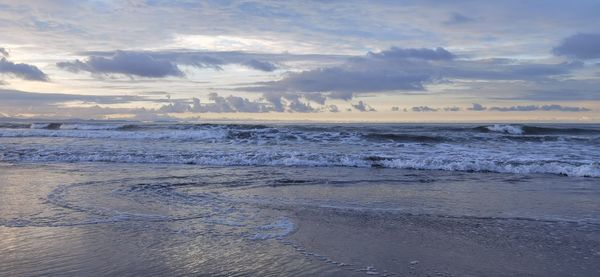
235, 199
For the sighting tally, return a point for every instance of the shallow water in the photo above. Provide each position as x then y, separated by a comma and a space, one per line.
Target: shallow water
102, 219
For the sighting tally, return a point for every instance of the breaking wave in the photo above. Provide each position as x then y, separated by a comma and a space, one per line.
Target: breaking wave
536, 130
483, 164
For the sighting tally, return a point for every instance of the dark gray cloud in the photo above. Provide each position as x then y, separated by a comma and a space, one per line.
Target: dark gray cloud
396, 53
393, 69
260, 65
127, 63
530, 108
3, 52
345, 81
409, 70
477, 107
315, 97
580, 46
158, 64
22, 70
363, 107
266, 62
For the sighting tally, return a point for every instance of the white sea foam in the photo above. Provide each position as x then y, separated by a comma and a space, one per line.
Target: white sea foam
582, 170
38, 125
448, 163
280, 228
507, 129
97, 127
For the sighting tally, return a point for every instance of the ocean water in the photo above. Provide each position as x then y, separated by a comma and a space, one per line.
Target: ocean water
170, 199
570, 150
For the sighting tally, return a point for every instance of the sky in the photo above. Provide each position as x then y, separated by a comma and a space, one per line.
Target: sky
321, 60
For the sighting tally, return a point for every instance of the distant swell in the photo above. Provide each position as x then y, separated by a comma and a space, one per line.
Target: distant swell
48, 126
405, 138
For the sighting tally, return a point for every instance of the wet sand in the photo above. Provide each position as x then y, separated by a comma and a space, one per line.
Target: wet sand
443, 246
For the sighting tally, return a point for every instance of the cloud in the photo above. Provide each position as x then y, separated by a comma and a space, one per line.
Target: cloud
284, 101
22, 70
266, 62
345, 82
12, 97
165, 63
394, 69
406, 70
333, 108
363, 107
315, 97
424, 109
457, 18
3, 52
530, 108
299, 106
127, 63
504, 70
477, 107
53, 105
580, 46
234, 104
260, 65
452, 109
396, 53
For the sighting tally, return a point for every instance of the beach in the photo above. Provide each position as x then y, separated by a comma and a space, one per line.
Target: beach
100, 219
127, 199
